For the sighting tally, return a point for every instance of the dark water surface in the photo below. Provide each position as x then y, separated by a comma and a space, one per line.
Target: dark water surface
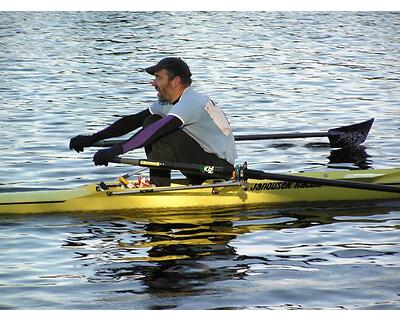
63, 74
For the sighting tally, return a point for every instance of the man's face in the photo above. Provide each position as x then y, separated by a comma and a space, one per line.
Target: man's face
163, 85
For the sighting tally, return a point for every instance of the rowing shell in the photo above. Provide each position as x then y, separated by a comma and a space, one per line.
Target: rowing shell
212, 195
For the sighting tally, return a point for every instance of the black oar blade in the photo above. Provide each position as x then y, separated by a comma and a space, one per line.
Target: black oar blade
352, 135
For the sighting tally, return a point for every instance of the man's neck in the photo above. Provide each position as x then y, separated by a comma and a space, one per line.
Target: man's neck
178, 94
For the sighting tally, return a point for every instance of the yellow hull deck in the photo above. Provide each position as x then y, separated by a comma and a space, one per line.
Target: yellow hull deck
257, 193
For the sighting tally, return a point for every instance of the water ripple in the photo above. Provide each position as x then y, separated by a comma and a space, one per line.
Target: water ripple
67, 73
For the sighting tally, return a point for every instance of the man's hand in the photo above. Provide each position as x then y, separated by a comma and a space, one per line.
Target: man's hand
78, 143
103, 157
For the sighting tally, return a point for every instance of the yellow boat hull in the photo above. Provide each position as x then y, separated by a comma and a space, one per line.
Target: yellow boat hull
257, 193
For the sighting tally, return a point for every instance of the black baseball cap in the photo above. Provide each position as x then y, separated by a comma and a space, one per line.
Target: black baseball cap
175, 65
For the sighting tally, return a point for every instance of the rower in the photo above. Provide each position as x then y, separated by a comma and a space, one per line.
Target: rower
182, 125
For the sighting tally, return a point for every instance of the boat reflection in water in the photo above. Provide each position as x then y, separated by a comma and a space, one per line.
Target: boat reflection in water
158, 259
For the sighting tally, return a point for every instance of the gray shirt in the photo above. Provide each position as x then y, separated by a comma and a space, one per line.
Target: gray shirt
203, 120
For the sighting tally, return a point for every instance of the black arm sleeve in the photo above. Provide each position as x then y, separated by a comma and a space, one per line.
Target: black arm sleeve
152, 132
170, 124
123, 126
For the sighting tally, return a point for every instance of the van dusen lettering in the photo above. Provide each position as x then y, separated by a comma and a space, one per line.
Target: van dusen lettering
281, 185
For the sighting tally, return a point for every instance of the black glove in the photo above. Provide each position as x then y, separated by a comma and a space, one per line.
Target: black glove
102, 157
79, 142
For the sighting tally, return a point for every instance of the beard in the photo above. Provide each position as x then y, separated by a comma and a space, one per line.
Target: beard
161, 96
162, 99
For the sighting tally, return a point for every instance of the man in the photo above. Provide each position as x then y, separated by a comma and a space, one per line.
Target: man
183, 126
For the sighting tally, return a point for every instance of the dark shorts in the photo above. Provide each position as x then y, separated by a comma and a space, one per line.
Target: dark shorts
179, 147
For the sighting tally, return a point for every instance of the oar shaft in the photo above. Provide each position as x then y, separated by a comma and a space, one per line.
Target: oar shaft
196, 168
244, 137
271, 136
257, 174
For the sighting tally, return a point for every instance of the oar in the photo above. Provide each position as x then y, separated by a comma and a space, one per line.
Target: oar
256, 174
341, 137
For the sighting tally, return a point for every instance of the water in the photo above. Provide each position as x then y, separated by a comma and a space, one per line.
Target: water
64, 74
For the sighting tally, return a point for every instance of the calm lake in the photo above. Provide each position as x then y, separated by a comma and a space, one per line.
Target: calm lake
69, 73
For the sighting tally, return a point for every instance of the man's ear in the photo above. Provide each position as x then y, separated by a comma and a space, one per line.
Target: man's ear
176, 81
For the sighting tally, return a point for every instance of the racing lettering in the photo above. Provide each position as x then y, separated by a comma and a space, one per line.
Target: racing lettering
270, 186
281, 185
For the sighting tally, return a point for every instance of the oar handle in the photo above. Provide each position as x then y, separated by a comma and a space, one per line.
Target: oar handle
107, 143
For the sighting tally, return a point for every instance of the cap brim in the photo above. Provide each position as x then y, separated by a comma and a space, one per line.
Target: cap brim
152, 70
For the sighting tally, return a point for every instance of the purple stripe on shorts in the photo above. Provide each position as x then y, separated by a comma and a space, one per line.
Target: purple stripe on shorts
140, 139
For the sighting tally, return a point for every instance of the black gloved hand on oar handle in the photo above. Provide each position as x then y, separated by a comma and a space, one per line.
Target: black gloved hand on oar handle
80, 142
